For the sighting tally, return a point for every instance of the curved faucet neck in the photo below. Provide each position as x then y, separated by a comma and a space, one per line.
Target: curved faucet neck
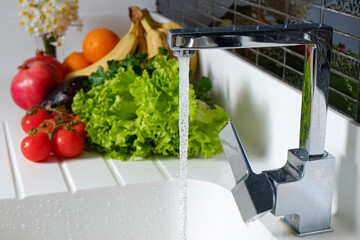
318, 41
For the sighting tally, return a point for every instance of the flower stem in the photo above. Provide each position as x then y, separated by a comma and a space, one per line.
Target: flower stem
49, 48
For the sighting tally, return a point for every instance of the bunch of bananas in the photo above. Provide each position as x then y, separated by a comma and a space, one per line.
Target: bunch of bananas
145, 35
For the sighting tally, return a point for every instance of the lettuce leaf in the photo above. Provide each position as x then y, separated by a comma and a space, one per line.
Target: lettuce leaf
131, 115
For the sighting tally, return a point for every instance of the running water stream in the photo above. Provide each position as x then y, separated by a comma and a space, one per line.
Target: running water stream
183, 131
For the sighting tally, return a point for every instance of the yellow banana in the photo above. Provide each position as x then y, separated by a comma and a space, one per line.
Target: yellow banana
170, 25
194, 61
155, 24
163, 28
127, 44
146, 15
154, 39
156, 34
142, 41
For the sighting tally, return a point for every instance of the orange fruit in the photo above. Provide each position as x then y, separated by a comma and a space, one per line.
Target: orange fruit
98, 43
75, 61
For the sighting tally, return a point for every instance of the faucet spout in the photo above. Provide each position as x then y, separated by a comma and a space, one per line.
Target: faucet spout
184, 53
318, 41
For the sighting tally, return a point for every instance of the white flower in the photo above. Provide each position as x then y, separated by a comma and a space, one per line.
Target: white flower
48, 17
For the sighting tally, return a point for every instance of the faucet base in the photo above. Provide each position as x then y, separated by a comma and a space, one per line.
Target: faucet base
304, 188
303, 234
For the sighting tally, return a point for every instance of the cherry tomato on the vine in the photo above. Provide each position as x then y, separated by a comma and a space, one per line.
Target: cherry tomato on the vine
47, 124
61, 114
33, 118
68, 143
79, 126
75, 124
36, 147
60, 132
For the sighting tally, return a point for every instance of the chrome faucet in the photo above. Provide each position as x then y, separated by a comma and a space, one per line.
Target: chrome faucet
301, 191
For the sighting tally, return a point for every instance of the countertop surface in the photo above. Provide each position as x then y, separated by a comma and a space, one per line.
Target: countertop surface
22, 178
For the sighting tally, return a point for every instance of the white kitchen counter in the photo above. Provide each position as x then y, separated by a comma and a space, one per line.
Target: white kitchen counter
22, 178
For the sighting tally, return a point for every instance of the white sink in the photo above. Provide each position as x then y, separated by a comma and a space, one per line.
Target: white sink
93, 198
213, 214
136, 211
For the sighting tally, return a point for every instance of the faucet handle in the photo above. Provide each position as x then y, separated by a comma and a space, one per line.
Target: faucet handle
253, 193
234, 152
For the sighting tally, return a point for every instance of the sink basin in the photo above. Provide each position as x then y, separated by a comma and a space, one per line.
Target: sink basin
213, 214
136, 211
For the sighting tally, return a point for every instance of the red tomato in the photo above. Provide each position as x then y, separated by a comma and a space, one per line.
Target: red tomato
68, 143
33, 119
76, 118
75, 124
36, 147
78, 125
80, 128
47, 125
61, 113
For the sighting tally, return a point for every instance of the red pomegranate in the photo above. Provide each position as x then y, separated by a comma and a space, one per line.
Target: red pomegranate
33, 82
42, 56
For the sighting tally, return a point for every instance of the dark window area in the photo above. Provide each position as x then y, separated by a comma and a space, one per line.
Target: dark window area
287, 63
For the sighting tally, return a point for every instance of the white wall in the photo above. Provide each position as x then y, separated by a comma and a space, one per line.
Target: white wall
16, 44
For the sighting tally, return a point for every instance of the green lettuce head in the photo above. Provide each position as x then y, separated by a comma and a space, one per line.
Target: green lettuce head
130, 116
